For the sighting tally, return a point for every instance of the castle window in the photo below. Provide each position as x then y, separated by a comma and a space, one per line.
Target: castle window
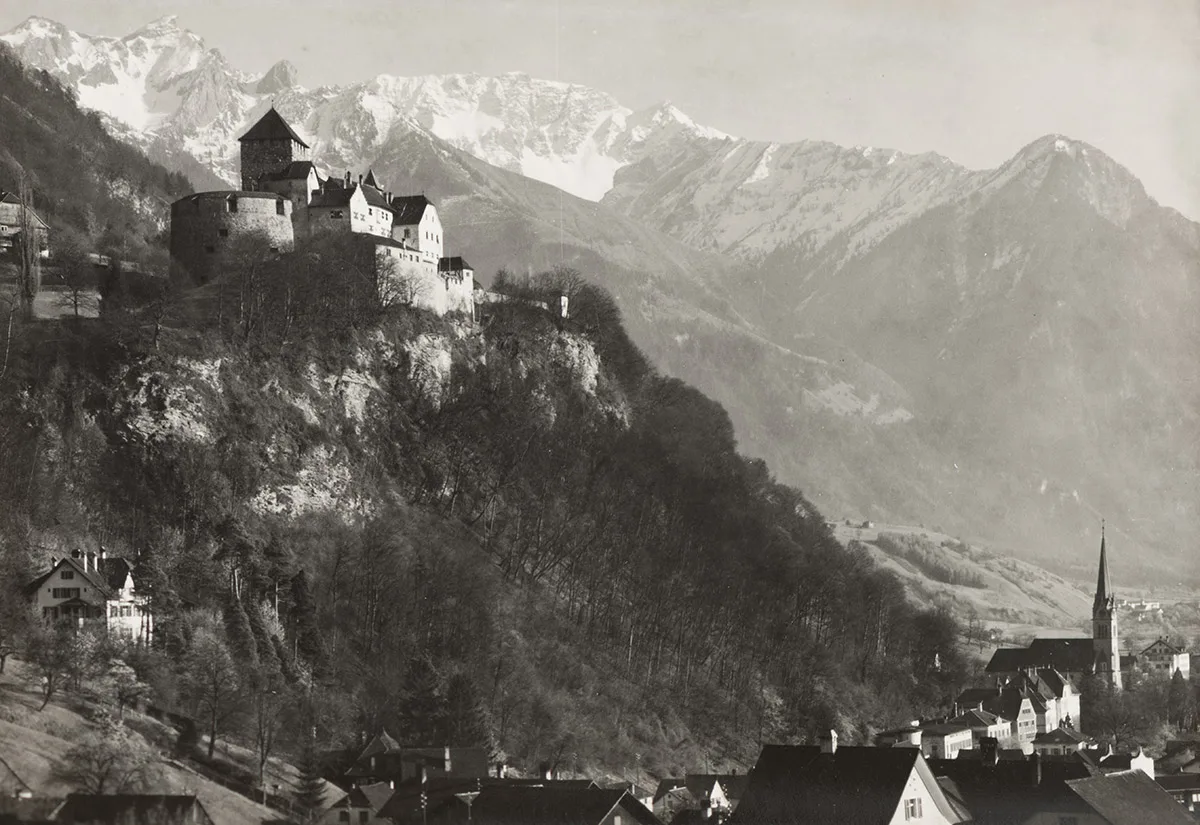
224, 233
335, 214
279, 207
231, 203
274, 249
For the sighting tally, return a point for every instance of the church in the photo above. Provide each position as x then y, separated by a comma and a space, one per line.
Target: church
1099, 656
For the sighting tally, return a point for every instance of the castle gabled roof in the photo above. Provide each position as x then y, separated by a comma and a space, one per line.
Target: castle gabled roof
370, 179
272, 126
454, 264
409, 209
296, 170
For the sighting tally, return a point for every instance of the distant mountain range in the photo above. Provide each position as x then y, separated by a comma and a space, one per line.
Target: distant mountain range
1008, 353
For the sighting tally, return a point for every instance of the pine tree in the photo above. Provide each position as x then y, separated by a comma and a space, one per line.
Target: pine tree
309, 645
267, 657
467, 722
423, 710
238, 632
310, 791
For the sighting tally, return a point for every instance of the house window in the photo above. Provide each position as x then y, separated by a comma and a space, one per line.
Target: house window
114, 611
224, 233
364, 817
67, 575
343, 816
65, 593
617, 820
126, 610
912, 809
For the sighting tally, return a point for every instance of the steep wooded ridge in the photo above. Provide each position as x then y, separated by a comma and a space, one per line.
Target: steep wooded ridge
80, 175
517, 534
1005, 353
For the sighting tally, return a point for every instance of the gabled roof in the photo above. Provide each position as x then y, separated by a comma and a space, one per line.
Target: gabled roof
296, 170
532, 805
272, 126
160, 809
978, 719
331, 196
454, 264
1130, 798
945, 728
1180, 782
667, 785
1059, 736
13, 200
700, 784
109, 578
372, 796
791, 785
370, 180
1163, 647
374, 196
409, 209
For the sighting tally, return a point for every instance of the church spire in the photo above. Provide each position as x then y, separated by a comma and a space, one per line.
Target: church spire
1103, 584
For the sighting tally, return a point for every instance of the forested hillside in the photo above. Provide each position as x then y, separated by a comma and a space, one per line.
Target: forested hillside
81, 177
514, 533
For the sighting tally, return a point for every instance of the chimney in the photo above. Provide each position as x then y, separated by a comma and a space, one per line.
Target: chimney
544, 769
706, 808
446, 760
90, 564
829, 742
988, 750
392, 784
1035, 769
347, 179
499, 770
103, 553
914, 735
360, 178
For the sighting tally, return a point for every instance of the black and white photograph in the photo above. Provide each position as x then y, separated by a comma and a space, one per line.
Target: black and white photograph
599, 412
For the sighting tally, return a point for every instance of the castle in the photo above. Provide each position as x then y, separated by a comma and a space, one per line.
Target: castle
284, 196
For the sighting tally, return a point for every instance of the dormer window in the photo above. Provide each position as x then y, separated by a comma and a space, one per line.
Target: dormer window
67, 575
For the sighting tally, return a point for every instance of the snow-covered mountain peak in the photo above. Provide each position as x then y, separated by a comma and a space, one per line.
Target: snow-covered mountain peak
166, 26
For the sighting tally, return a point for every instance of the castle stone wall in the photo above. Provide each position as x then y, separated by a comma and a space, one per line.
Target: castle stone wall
262, 157
206, 224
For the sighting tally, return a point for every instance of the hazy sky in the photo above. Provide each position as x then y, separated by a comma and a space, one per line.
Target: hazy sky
974, 80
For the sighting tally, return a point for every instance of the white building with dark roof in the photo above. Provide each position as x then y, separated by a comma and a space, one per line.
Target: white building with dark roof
94, 588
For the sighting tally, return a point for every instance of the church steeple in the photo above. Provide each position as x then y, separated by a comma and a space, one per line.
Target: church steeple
1103, 583
1105, 641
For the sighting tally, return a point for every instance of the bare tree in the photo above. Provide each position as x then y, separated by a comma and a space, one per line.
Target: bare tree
270, 705
108, 761
212, 684
75, 272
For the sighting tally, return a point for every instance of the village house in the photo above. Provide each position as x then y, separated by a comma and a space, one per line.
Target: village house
1138, 760
1059, 742
446, 800
983, 725
1184, 788
801, 784
384, 759
94, 588
10, 225
360, 806
1163, 659
532, 805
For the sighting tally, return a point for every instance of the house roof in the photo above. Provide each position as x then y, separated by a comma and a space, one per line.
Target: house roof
272, 126
1064, 654
374, 196
409, 209
1130, 798
1006, 793
700, 784
454, 264
372, 796
296, 170
800, 784
534, 805
13, 200
945, 729
370, 180
1059, 736
160, 809
978, 719
109, 577
665, 786
1180, 782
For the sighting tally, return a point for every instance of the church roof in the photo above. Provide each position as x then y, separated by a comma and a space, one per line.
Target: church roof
272, 126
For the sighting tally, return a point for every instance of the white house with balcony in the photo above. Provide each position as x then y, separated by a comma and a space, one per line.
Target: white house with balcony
95, 588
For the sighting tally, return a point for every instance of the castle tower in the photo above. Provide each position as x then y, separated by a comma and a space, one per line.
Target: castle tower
269, 146
1105, 642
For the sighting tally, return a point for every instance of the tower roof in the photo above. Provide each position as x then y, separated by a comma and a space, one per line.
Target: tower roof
1103, 584
272, 126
